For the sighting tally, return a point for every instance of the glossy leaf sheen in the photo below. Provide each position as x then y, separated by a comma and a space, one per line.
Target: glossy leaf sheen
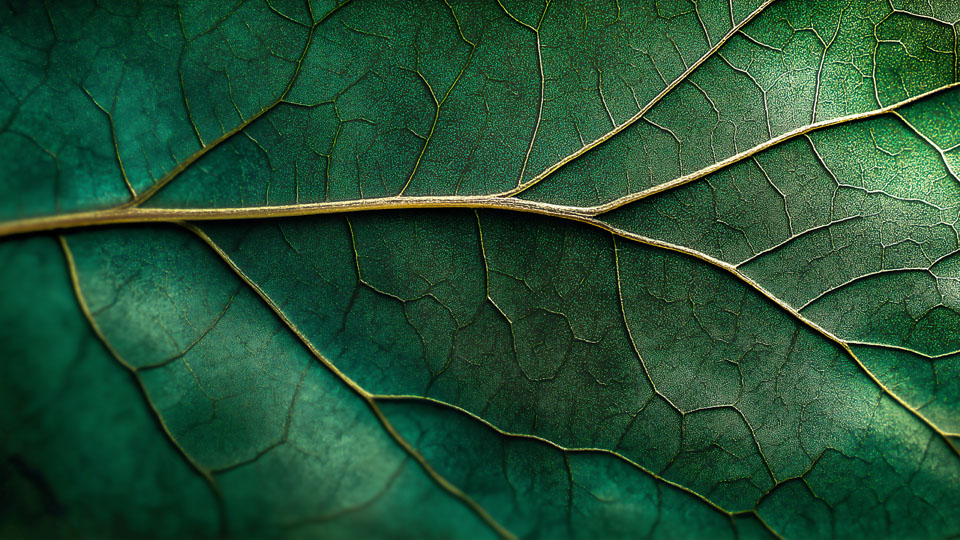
471, 269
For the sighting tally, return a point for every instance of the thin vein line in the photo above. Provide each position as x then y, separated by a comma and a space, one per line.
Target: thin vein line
88, 315
367, 397
677, 182
789, 309
656, 99
113, 137
572, 450
536, 125
537, 438
205, 148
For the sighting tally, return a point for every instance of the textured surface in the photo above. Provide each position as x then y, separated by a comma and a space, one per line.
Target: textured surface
471, 269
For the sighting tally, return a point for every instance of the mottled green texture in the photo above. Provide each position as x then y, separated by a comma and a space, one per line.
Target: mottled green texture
83, 453
290, 447
540, 491
743, 412
736, 316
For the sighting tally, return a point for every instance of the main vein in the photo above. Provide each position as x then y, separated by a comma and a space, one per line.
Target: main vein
131, 213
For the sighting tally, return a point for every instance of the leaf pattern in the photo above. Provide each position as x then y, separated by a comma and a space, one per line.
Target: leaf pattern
480, 269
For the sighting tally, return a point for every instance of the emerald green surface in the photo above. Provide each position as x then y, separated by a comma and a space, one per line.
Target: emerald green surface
84, 455
756, 335
291, 449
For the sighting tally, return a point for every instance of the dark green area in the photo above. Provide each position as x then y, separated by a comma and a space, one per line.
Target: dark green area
83, 454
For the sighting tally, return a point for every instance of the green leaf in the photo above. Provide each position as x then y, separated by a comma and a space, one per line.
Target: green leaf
460, 270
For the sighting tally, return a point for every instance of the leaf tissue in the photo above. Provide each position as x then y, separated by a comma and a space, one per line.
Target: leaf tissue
480, 269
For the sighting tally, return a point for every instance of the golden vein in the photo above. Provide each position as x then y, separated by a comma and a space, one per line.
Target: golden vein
367, 397
88, 315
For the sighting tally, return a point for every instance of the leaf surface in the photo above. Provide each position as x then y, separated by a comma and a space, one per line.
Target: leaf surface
614, 269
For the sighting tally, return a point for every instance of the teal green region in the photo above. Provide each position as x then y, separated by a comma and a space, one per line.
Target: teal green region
665, 269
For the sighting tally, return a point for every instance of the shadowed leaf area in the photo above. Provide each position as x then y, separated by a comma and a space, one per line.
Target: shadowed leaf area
470, 269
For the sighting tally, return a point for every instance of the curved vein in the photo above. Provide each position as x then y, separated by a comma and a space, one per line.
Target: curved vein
366, 396
793, 312
770, 143
91, 320
656, 99
137, 200
576, 450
